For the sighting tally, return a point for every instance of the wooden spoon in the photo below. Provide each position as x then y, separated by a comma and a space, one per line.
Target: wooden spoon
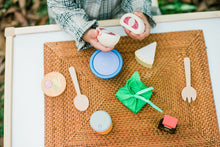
81, 102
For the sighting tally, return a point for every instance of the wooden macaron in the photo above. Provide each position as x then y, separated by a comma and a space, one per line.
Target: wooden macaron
53, 84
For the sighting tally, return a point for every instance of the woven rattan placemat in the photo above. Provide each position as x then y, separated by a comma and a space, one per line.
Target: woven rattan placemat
197, 126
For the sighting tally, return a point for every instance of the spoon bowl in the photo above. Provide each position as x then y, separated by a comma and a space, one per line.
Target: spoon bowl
81, 102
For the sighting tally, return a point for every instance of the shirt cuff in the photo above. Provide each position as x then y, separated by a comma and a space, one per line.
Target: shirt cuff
150, 19
80, 43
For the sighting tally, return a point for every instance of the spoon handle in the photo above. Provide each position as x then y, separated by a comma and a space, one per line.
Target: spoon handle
187, 71
74, 78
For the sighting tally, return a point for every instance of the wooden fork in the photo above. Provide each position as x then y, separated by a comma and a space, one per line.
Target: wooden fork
188, 92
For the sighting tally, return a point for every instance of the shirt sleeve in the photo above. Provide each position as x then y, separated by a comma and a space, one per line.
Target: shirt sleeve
131, 6
72, 19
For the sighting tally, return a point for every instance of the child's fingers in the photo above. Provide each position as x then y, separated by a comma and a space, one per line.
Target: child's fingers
147, 30
142, 36
136, 36
145, 33
138, 13
144, 18
127, 32
94, 33
96, 44
101, 47
107, 49
132, 37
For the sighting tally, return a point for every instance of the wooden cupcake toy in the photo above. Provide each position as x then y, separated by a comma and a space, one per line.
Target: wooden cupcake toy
101, 122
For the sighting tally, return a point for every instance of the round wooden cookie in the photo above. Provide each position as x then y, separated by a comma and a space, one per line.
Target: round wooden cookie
53, 84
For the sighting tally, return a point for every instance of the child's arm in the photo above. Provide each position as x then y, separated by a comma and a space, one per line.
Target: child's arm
72, 19
141, 8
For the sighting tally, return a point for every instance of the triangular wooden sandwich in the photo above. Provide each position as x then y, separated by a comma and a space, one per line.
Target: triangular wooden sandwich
145, 55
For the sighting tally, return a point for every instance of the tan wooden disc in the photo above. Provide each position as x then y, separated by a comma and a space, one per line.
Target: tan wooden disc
53, 84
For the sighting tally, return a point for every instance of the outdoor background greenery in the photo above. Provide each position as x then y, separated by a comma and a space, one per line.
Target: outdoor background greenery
175, 6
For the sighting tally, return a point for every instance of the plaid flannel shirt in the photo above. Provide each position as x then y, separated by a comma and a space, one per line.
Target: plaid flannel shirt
77, 16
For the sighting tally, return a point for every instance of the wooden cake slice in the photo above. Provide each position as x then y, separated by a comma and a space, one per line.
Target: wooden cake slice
145, 55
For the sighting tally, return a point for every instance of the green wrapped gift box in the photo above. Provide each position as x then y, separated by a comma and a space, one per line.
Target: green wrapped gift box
134, 95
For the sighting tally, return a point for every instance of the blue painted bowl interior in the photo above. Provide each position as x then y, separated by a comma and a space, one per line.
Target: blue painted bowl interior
106, 65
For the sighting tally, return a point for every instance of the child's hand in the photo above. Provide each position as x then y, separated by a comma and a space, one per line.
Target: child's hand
146, 31
91, 37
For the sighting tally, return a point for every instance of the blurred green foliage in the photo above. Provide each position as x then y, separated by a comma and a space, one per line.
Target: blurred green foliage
176, 6
8, 4
42, 11
43, 8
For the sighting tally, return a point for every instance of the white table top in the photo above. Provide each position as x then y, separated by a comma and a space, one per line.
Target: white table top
28, 71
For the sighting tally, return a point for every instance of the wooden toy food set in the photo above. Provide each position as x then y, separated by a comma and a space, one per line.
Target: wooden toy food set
194, 123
